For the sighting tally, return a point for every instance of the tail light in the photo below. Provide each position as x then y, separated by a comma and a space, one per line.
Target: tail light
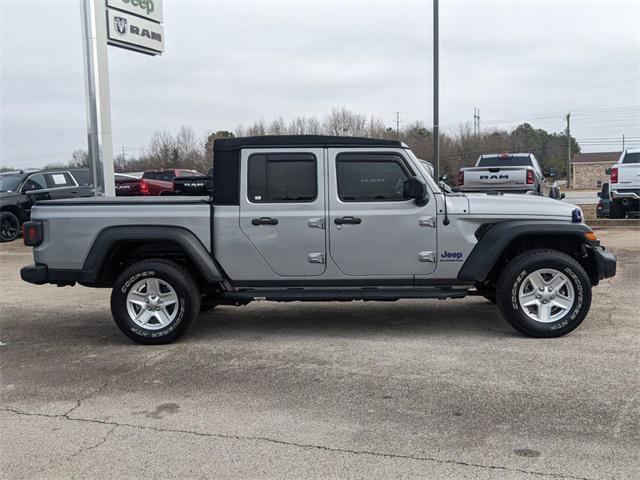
144, 188
530, 178
614, 175
460, 178
32, 234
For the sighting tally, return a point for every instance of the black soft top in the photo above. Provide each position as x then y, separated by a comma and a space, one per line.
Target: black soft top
226, 156
226, 144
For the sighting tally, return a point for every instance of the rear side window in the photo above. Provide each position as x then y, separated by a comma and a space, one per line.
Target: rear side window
83, 177
36, 182
282, 177
364, 178
59, 180
507, 161
631, 158
165, 175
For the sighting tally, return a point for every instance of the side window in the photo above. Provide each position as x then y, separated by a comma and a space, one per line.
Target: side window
35, 182
59, 180
166, 176
363, 178
284, 177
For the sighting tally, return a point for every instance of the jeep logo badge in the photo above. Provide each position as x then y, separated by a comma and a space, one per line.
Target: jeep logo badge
120, 24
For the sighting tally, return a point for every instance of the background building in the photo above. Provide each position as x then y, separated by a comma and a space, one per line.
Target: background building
588, 169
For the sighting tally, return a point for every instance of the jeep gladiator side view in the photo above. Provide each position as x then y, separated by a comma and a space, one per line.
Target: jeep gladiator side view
315, 218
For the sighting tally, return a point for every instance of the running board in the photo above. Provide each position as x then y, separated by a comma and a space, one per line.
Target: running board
330, 295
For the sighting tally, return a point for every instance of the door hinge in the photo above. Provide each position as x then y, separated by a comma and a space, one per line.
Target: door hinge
427, 257
427, 221
315, 258
317, 222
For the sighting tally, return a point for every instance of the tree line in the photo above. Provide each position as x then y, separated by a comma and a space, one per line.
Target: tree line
459, 148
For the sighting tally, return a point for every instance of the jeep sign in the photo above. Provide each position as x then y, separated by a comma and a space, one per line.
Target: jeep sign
149, 9
134, 33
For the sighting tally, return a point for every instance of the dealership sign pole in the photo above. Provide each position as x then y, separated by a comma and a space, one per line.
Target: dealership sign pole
132, 24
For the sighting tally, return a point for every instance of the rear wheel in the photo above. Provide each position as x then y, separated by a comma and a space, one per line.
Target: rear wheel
544, 293
9, 227
617, 209
155, 301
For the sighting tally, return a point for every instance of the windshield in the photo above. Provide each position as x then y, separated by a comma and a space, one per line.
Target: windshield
631, 158
509, 161
9, 182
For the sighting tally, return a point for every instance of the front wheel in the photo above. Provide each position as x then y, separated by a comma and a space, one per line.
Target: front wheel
544, 293
155, 301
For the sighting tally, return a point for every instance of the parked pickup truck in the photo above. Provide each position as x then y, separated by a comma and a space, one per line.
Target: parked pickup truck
198, 185
625, 184
315, 218
505, 172
160, 182
19, 190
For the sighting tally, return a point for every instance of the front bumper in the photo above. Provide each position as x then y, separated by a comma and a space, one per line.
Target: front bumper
605, 263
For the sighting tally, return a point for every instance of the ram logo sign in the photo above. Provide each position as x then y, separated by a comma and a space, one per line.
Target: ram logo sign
134, 33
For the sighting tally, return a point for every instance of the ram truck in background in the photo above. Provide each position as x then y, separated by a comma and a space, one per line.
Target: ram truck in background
130, 185
195, 186
160, 182
319, 218
625, 184
505, 172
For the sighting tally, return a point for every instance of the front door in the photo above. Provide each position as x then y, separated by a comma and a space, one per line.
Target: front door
282, 208
373, 229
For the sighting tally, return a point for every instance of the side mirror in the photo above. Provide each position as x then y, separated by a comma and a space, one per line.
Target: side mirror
416, 188
444, 178
562, 196
608, 171
552, 172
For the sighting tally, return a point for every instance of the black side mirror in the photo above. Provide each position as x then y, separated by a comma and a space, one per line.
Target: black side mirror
552, 172
444, 178
416, 188
608, 171
28, 188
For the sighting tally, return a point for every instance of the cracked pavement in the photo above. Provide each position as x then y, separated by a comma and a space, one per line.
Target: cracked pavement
427, 389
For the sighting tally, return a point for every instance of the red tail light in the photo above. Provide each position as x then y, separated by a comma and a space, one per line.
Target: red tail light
460, 178
614, 175
144, 188
32, 234
530, 178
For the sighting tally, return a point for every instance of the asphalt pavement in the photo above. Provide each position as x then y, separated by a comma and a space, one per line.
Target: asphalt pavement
409, 389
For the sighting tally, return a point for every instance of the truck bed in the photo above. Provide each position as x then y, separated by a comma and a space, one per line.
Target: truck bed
79, 221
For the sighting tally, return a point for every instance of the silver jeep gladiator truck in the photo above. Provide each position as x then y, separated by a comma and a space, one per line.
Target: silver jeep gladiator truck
315, 218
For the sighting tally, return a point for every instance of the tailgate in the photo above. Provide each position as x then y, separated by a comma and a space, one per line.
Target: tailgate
495, 177
127, 187
192, 186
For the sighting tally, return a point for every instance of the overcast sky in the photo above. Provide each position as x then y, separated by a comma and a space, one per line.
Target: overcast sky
229, 63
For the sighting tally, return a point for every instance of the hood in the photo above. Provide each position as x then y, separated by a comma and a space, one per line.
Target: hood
518, 204
4, 195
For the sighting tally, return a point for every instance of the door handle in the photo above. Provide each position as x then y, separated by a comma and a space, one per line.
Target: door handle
264, 221
348, 220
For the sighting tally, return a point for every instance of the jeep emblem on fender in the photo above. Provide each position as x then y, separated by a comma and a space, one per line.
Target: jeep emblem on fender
121, 25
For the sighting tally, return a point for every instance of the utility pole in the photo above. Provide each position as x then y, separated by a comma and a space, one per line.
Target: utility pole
568, 150
94, 36
123, 159
436, 121
398, 124
623, 142
476, 121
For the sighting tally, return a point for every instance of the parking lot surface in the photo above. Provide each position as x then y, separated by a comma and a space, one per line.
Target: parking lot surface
430, 389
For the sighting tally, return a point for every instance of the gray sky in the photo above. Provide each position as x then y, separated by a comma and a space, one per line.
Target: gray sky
230, 63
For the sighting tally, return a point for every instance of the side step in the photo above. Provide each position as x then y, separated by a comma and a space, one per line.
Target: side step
331, 295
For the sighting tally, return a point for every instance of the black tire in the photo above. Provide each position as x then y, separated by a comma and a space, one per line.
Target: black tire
617, 210
517, 271
170, 273
9, 227
487, 290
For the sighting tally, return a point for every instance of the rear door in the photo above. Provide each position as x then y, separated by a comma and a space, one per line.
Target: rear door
373, 229
282, 208
61, 185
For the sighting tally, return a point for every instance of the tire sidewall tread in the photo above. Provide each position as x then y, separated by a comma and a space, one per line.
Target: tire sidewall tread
515, 273
181, 281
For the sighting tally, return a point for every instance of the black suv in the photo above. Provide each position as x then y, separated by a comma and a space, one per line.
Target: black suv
19, 190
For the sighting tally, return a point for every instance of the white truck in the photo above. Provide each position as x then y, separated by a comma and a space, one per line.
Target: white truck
505, 172
625, 184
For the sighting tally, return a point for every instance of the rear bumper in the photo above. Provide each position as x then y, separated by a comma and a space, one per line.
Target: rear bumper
39, 274
633, 194
605, 263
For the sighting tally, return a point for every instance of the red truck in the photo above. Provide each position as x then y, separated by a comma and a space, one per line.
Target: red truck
160, 182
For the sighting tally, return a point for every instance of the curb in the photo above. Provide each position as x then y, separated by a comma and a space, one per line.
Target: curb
606, 223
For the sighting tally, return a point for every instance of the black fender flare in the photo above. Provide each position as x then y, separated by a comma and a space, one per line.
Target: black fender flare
498, 236
111, 236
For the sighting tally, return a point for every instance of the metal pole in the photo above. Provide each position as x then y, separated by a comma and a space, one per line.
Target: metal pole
94, 36
568, 150
436, 126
